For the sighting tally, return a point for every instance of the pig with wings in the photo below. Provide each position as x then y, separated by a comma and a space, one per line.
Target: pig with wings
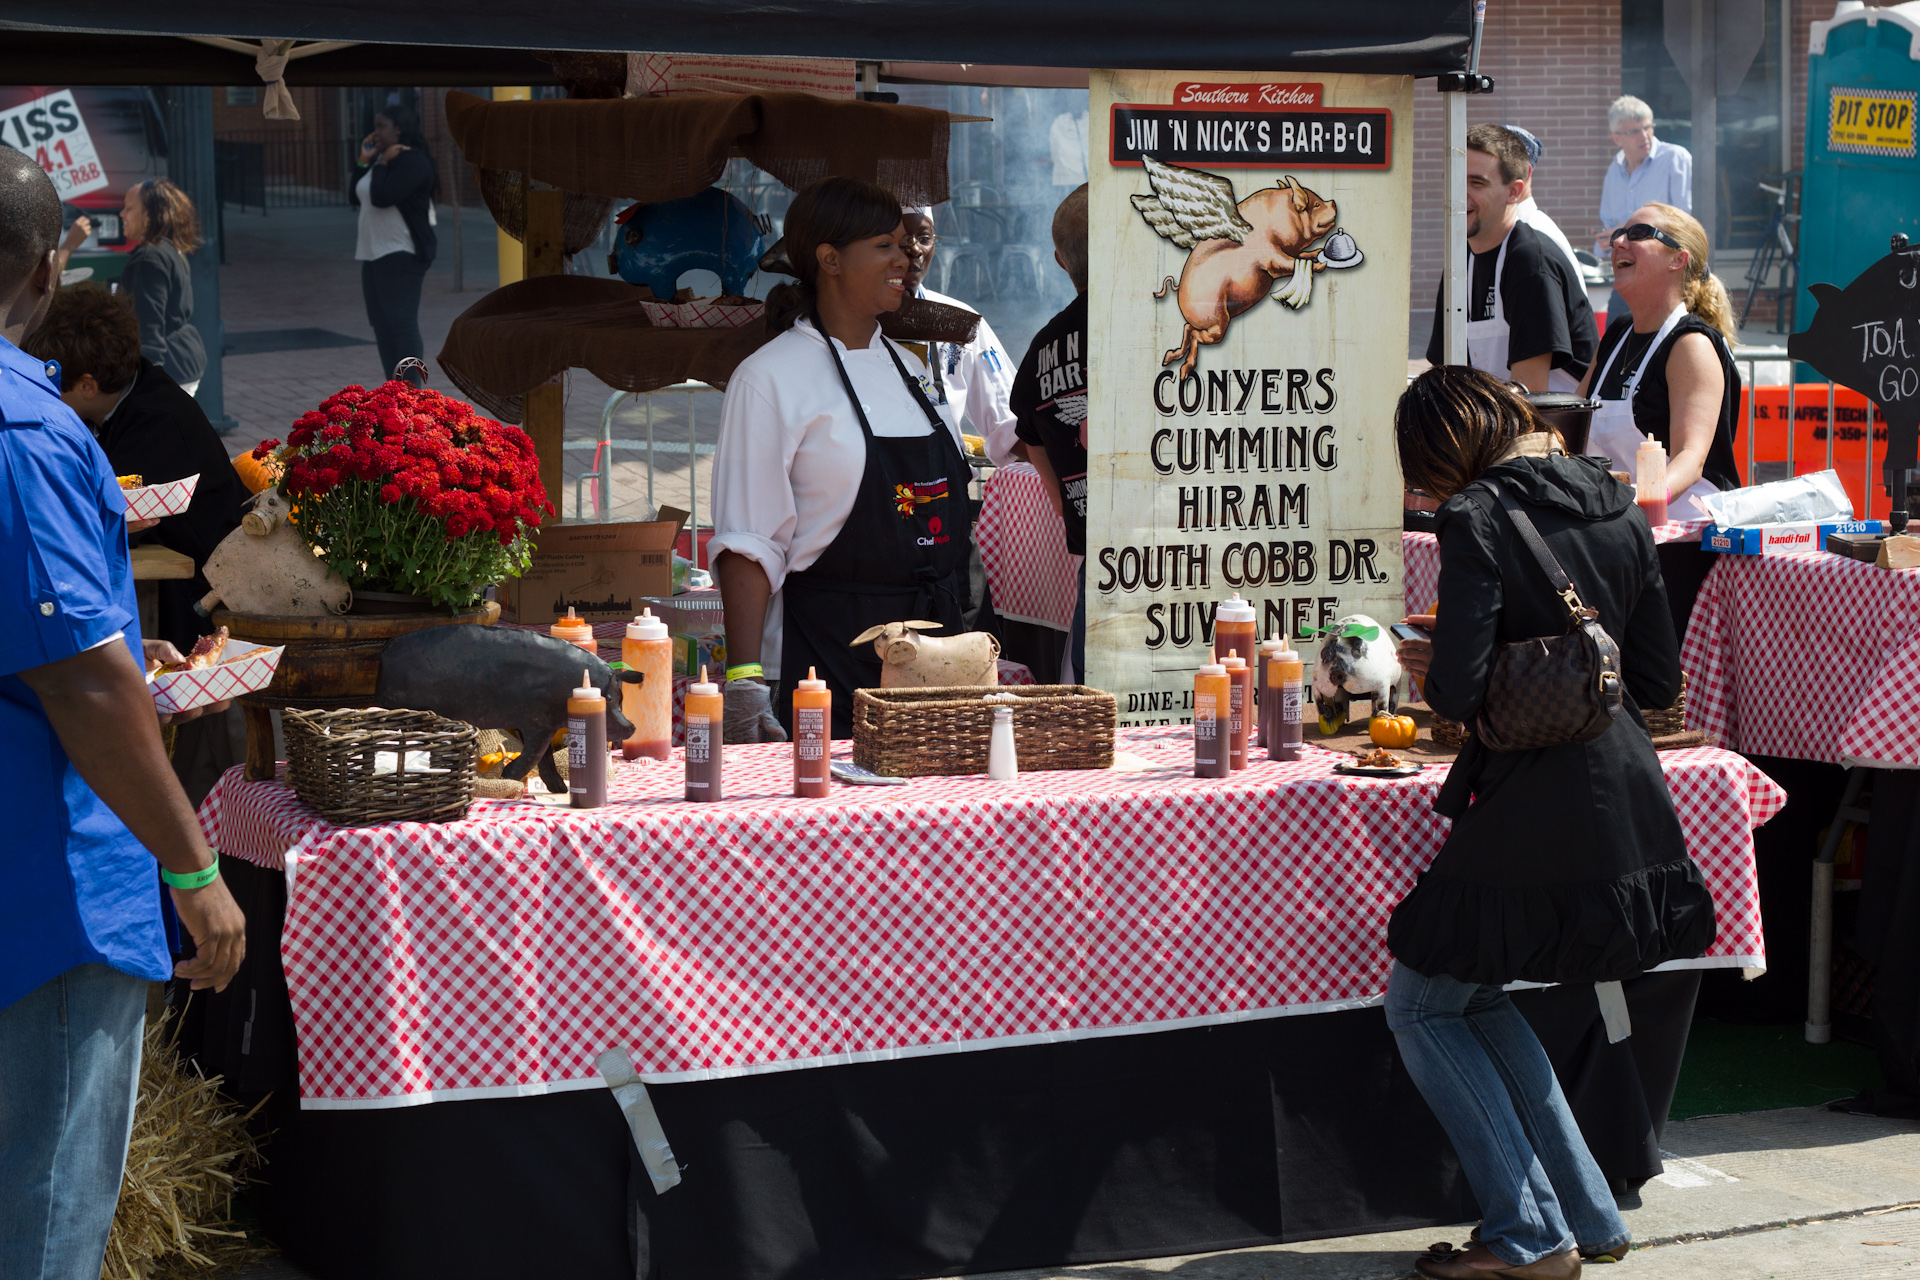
1238, 248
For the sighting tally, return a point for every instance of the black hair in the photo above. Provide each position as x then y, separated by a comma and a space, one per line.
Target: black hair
835, 211
29, 216
406, 122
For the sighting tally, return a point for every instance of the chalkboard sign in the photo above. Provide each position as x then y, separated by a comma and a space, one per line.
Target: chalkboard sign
1867, 337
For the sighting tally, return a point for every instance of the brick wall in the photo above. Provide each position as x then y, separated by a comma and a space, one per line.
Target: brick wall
1556, 67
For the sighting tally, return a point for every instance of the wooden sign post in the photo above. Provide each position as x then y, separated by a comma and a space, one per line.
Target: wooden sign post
1248, 323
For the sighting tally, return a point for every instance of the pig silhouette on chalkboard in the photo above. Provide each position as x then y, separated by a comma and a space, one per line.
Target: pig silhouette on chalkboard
1238, 248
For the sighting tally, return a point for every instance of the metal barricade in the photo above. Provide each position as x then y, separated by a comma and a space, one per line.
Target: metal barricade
602, 471
1747, 359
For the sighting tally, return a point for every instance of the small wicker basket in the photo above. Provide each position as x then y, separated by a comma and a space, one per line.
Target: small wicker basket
909, 733
1450, 733
332, 757
1665, 721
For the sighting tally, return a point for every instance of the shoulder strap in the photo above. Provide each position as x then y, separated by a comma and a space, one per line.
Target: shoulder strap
1523, 523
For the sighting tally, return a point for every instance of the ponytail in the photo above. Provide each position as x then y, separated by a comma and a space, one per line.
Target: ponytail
1702, 293
787, 303
834, 211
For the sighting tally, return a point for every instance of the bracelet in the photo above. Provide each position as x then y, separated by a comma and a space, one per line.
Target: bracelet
193, 879
746, 670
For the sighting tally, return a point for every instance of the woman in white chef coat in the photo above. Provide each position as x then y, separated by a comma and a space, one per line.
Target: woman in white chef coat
839, 492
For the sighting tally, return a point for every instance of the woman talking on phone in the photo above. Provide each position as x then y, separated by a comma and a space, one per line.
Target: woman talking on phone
839, 492
396, 242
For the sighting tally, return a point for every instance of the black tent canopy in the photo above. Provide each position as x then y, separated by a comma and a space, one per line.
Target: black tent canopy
52, 40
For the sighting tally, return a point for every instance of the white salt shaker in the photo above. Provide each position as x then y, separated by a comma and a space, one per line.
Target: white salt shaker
1001, 763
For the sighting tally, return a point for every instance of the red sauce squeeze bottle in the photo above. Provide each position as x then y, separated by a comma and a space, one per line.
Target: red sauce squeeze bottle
1239, 708
705, 711
586, 745
1212, 723
812, 716
1284, 673
1234, 625
649, 705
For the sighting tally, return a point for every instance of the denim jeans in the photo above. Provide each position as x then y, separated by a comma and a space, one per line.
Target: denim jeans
1482, 1070
69, 1071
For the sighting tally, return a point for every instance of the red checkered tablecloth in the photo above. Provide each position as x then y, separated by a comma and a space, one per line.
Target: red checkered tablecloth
1023, 548
1421, 554
1813, 657
498, 955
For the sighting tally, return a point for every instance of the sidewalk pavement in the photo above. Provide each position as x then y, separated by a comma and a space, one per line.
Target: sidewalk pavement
1802, 1192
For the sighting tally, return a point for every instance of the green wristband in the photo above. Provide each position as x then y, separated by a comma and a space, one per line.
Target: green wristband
746, 670
193, 879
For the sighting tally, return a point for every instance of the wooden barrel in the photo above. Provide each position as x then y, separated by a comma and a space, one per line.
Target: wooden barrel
330, 662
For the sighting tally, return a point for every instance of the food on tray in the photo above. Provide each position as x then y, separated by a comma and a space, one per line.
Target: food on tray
1378, 758
208, 651
132, 481
976, 446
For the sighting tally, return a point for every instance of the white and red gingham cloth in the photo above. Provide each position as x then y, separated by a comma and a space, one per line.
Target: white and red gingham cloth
1023, 548
1421, 554
1815, 657
496, 956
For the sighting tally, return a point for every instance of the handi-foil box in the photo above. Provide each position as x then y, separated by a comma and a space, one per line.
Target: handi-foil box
1782, 539
602, 571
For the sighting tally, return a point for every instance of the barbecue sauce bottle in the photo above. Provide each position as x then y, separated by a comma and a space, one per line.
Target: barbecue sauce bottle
1264, 703
1234, 625
705, 710
649, 704
575, 630
1283, 691
586, 746
812, 718
1239, 708
1212, 727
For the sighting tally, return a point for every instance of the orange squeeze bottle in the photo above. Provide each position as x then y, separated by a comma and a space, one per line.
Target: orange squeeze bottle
705, 712
648, 650
575, 629
812, 732
1240, 708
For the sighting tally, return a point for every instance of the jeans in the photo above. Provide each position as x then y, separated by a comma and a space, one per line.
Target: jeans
69, 1072
391, 288
1482, 1070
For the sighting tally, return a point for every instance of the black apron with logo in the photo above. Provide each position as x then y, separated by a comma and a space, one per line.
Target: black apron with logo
901, 555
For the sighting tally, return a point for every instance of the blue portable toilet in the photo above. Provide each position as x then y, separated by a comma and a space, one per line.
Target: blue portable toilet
1862, 180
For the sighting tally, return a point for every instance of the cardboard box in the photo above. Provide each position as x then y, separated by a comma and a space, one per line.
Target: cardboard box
1781, 539
604, 571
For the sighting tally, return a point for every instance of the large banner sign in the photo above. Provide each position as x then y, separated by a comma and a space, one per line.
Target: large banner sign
52, 131
1248, 330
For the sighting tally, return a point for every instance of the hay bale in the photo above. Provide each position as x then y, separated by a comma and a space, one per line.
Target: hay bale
189, 1153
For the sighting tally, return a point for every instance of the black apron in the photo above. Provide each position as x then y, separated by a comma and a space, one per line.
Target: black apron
901, 555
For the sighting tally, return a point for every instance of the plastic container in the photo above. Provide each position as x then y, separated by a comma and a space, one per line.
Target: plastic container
1239, 708
1234, 625
705, 711
812, 718
1650, 480
1263, 702
1002, 763
1285, 672
586, 745
1212, 726
575, 629
648, 649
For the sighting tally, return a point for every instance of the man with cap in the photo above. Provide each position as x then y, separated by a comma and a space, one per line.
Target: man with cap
1529, 210
974, 379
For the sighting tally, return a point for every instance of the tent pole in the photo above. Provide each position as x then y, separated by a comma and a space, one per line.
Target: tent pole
1453, 333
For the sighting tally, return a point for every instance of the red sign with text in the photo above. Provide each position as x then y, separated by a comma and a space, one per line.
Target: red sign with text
1248, 97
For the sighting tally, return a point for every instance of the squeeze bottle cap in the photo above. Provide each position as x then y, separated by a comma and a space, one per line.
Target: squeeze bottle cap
646, 627
1233, 661
1212, 669
1235, 610
811, 684
1270, 647
586, 691
703, 687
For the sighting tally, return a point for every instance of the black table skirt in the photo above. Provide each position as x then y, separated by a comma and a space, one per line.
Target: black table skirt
1133, 1146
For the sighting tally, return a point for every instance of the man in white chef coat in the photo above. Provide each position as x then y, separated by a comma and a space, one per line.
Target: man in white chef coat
973, 380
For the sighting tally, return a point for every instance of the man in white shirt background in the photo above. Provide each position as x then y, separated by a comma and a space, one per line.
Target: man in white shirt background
973, 380
1644, 171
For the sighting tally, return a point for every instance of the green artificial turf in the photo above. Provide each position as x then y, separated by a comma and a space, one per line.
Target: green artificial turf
1731, 1068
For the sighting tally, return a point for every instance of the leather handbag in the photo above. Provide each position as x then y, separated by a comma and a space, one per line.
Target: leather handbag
1550, 689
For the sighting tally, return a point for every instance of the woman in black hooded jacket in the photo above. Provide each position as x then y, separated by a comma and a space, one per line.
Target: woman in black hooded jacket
396, 241
1565, 864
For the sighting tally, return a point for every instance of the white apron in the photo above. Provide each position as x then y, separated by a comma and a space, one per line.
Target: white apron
1615, 435
1488, 340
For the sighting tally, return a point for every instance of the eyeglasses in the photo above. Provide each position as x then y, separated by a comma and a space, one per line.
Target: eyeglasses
1645, 231
923, 244
1635, 131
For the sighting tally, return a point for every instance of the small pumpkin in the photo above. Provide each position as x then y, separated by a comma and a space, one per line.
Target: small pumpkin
1392, 731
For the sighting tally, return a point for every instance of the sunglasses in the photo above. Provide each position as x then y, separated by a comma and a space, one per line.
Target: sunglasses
1644, 231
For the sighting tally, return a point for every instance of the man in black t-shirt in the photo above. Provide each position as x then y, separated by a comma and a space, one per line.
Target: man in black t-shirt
1534, 327
1049, 400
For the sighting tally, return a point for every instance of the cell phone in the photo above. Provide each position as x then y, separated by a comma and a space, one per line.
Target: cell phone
1407, 631
849, 772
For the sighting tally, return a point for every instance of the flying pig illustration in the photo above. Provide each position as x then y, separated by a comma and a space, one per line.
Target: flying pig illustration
1239, 248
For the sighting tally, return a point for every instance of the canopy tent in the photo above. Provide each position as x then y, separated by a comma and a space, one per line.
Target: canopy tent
53, 40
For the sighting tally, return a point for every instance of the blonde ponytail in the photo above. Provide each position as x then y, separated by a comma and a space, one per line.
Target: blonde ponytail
1702, 293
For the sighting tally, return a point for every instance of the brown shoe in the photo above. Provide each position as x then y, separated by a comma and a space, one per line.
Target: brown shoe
1557, 1266
1611, 1253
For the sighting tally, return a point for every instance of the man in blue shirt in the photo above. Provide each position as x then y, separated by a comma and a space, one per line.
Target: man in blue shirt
92, 800
1644, 171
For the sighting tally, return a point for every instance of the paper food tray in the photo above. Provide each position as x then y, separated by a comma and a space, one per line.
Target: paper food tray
151, 501
249, 673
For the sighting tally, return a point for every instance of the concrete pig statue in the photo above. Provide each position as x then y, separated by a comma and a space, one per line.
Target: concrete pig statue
1238, 249
267, 566
911, 660
496, 678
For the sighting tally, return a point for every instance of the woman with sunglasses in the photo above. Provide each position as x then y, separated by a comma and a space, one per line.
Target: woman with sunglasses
158, 217
1670, 374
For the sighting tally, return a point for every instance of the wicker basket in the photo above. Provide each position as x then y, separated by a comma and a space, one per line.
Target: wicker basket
331, 757
908, 733
1450, 733
1664, 721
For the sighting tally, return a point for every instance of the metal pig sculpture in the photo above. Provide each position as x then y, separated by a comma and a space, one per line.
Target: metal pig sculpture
1238, 249
1859, 338
713, 231
496, 678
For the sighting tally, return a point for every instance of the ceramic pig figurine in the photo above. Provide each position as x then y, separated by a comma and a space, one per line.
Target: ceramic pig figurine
266, 566
910, 659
